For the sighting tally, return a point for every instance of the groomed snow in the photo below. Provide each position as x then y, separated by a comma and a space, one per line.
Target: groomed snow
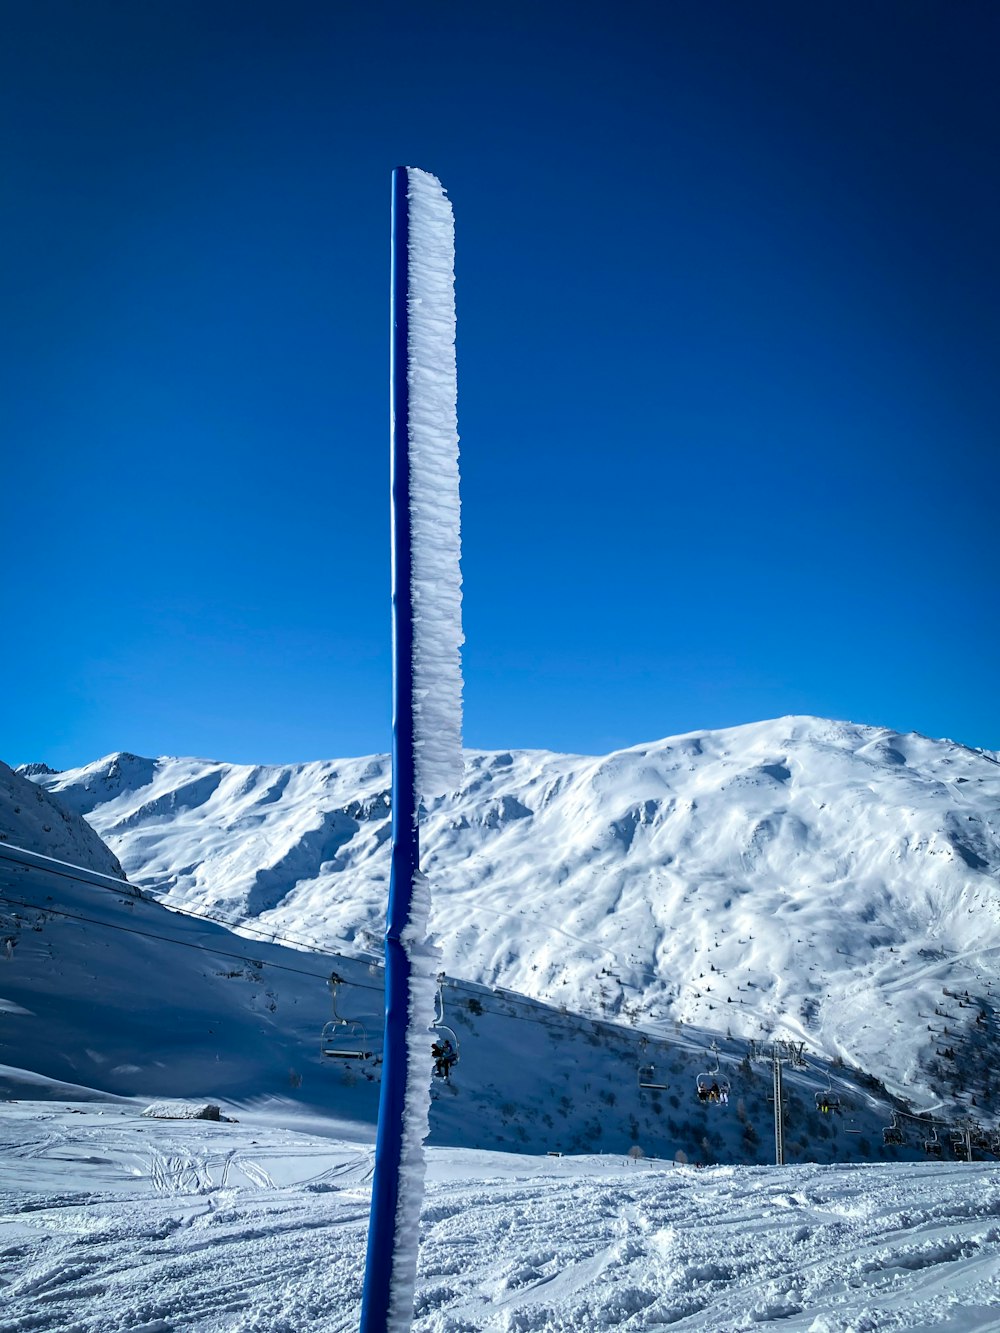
112, 1222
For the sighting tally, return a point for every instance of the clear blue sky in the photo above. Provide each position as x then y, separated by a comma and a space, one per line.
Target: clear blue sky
727, 288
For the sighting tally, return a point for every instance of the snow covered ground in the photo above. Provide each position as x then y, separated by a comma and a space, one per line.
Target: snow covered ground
109, 1221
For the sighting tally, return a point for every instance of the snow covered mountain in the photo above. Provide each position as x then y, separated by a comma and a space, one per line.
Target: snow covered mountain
827, 881
30, 817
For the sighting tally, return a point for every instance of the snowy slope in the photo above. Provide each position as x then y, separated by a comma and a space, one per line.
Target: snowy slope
821, 879
31, 818
107, 991
110, 1221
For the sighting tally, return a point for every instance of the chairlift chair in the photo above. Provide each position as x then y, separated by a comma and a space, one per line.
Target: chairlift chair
827, 1101
445, 1047
343, 1038
713, 1087
648, 1078
933, 1145
892, 1134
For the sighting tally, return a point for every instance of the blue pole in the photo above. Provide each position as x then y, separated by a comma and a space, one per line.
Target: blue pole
405, 844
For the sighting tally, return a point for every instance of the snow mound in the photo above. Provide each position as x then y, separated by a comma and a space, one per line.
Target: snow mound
184, 1111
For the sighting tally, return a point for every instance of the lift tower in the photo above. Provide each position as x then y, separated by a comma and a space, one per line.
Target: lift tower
777, 1053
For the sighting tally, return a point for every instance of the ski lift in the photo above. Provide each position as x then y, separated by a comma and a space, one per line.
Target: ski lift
713, 1087
343, 1038
892, 1134
827, 1101
648, 1078
932, 1146
980, 1138
445, 1047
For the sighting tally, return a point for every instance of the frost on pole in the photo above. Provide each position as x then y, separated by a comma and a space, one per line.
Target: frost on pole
436, 689
436, 580
427, 714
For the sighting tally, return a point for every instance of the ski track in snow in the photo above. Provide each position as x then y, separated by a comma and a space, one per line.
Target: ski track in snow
111, 1222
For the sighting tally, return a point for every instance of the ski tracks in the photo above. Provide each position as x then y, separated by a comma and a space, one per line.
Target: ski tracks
213, 1231
236, 1258
717, 1251
197, 1233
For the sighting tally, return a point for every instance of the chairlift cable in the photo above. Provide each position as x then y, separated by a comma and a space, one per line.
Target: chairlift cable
144, 894
123, 886
268, 936
152, 935
456, 983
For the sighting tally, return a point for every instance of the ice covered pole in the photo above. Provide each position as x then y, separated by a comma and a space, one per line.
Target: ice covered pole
427, 711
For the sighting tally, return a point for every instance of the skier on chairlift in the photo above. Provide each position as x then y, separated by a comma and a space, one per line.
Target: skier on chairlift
444, 1057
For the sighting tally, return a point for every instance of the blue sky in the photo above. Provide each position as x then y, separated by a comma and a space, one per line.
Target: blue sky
727, 284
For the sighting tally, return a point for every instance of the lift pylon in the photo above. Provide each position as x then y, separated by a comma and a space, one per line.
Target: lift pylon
778, 1053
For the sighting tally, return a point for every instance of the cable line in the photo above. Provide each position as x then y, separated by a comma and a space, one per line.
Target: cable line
457, 984
145, 895
269, 937
167, 939
148, 894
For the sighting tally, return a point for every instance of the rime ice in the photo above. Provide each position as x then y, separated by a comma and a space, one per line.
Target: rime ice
436, 584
